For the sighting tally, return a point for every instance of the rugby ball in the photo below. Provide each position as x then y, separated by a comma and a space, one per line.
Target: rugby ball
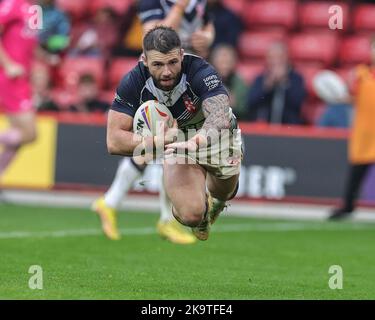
330, 87
149, 116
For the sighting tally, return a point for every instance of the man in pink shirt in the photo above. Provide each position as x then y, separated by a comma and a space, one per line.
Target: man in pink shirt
17, 44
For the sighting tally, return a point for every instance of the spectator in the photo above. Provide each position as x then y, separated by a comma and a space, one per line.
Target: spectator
330, 88
88, 100
54, 36
97, 37
130, 29
189, 18
224, 59
41, 81
228, 26
362, 137
277, 95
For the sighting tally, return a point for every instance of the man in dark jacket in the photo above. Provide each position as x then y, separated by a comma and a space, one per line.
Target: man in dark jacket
277, 95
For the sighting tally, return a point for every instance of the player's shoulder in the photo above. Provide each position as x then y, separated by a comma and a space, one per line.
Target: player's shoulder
193, 64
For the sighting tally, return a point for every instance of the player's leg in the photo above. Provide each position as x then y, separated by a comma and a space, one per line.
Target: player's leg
22, 131
185, 185
167, 226
106, 206
220, 190
357, 174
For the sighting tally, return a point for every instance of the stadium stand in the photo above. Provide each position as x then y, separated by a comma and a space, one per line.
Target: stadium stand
313, 15
304, 24
73, 67
364, 18
270, 14
118, 68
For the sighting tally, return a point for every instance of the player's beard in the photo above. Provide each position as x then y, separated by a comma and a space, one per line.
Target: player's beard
160, 85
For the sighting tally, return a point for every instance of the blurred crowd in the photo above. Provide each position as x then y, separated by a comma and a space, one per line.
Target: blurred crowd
267, 59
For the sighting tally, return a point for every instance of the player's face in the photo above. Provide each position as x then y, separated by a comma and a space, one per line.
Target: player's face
165, 69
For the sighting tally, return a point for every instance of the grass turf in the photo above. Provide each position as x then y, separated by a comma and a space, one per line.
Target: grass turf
243, 259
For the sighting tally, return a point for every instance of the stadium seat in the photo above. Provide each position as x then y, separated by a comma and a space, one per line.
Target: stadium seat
314, 47
119, 67
355, 49
364, 18
120, 7
107, 95
73, 67
255, 44
270, 13
249, 71
75, 8
315, 14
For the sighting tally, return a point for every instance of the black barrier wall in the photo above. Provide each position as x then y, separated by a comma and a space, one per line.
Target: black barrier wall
274, 167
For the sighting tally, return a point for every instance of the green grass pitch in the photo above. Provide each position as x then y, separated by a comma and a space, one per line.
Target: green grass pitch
243, 259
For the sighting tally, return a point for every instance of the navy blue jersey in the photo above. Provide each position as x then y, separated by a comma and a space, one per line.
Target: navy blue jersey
199, 81
195, 16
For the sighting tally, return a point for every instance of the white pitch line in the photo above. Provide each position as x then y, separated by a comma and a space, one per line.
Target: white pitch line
257, 227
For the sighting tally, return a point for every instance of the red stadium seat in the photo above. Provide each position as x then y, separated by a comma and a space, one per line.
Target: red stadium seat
270, 13
249, 71
76, 8
119, 67
364, 18
255, 44
107, 95
119, 6
315, 14
73, 67
355, 49
314, 47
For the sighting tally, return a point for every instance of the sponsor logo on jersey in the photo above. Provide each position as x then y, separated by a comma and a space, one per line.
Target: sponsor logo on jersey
189, 105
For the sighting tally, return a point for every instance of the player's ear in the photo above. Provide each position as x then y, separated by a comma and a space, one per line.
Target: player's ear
144, 59
182, 52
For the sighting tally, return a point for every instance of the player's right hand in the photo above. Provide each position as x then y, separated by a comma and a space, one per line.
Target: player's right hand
14, 70
166, 135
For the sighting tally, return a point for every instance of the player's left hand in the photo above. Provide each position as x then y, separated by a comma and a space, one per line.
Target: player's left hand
189, 145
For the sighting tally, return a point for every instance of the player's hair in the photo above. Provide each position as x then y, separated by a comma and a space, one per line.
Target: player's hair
162, 39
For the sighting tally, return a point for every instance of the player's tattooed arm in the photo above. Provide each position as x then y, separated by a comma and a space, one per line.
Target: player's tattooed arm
217, 113
218, 117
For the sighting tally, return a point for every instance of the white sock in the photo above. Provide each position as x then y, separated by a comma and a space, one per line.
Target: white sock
127, 173
165, 205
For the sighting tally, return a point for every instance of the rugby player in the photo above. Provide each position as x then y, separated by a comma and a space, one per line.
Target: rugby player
197, 99
195, 29
17, 44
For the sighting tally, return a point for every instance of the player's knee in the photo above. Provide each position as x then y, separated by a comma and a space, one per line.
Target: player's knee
192, 215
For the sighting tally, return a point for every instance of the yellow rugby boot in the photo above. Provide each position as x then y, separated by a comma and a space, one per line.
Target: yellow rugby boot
108, 217
175, 232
